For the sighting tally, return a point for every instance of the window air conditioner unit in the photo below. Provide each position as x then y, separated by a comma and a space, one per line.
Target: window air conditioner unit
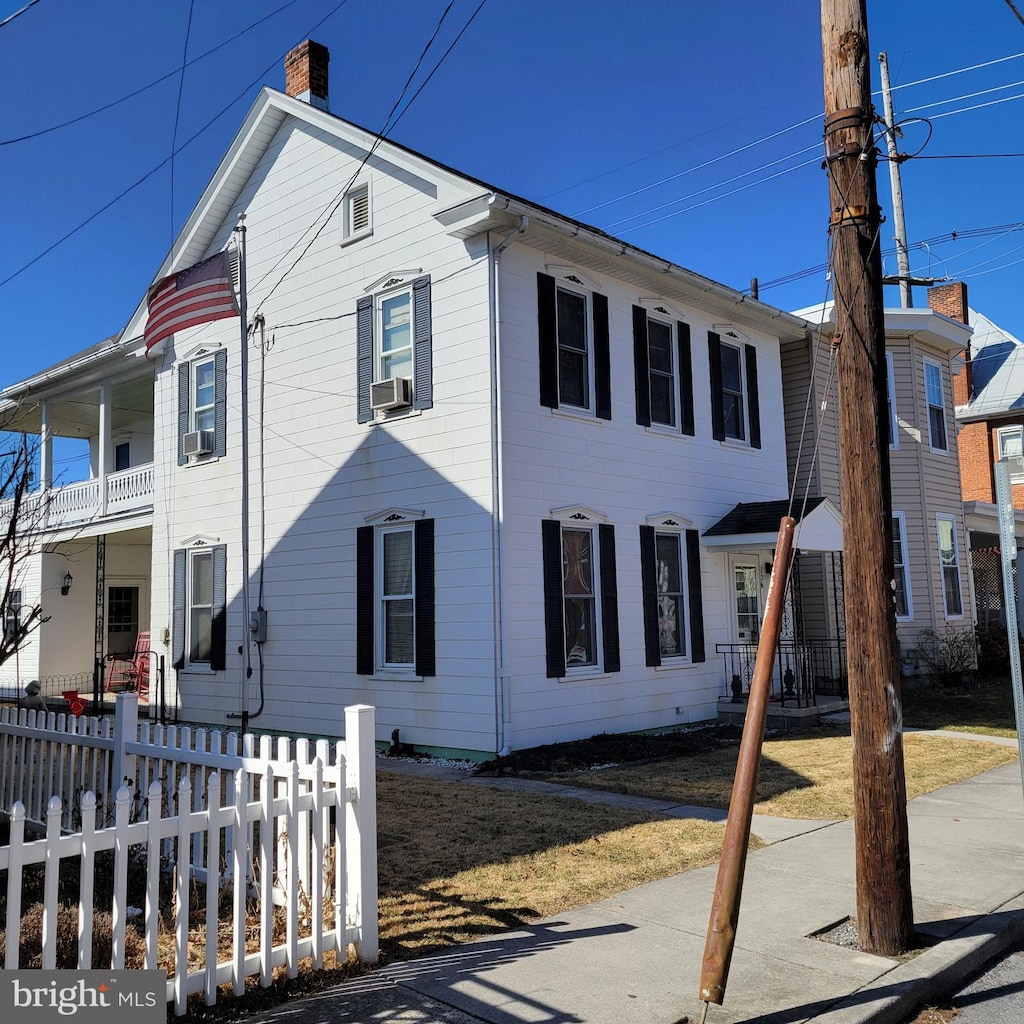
198, 442
392, 393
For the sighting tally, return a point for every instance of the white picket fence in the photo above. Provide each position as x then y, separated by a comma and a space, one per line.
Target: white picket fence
288, 822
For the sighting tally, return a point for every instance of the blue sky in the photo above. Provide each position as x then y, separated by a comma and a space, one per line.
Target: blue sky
636, 117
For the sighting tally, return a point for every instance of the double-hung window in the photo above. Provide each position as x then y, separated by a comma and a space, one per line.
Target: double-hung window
934, 397
574, 346
12, 615
199, 631
202, 406
949, 566
580, 594
901, 570
664, 374
393, 347
735, 405
672, 601
395, 595
1010, 447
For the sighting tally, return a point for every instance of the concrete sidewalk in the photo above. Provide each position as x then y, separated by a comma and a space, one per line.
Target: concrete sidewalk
636, 957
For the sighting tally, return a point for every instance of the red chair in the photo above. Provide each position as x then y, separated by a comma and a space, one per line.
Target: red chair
131, 673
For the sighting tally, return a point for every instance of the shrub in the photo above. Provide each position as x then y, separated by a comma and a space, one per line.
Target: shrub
31, 949
950, 657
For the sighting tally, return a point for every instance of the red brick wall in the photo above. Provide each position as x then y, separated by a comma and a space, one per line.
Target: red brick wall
974, 442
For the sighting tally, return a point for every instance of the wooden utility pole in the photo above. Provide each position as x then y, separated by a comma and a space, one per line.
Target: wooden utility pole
885, 919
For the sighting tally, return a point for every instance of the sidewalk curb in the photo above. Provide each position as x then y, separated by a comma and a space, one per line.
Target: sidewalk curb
934, 973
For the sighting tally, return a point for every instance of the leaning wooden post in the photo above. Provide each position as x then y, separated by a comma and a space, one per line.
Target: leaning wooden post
725, 908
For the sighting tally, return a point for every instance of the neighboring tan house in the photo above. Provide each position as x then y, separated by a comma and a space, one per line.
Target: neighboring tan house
989, 396
493, 456
932, 584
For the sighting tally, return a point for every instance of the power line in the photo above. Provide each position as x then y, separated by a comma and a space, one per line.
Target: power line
965, 96
336, 202
11, 17
977, 106
177, 107
155, 82
149, 174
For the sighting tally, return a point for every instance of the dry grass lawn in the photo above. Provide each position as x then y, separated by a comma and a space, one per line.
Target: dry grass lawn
808, 776
458, 861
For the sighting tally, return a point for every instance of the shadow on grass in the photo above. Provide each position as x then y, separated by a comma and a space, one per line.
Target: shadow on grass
985, 707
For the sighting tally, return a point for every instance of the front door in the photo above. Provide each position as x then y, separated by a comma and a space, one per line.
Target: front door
127, 607
746, 580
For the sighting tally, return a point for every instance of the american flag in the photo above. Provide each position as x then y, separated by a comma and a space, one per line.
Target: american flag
197, 295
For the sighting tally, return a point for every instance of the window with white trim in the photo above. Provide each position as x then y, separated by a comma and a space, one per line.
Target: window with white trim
670, 567
934, 397
202, 404
733, 415
890, 382
393, 337
735, 403
901, 570
661, 353
949, 566
575, 367
1011, 447
580, 594
395, 595
356, 213
199, 607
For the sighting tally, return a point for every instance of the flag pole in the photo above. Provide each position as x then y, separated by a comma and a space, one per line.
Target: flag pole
243, 369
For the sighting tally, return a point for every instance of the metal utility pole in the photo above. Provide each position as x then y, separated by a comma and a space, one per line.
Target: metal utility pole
885, 918
896, 186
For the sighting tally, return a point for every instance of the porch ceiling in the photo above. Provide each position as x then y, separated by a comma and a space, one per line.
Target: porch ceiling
77, 413
754, 526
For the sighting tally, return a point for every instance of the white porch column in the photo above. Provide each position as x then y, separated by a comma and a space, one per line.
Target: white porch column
103, 453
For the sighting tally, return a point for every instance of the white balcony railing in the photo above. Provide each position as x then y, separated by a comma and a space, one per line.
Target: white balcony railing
126, 491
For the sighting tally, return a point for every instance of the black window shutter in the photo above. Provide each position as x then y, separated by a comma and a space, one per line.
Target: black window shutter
219, 626
649, 587
423, 388
364, 601
753, 404
423, 542
364, 357
696, 597
184, 401
641, 367
602, 357
554, 617
715, 374
547, 333
685, 379
220, 403
609, 598
178, 610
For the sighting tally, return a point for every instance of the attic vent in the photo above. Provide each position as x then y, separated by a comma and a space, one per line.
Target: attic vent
357, 211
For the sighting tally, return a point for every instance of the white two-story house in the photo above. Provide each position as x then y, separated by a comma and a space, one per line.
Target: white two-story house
485, 443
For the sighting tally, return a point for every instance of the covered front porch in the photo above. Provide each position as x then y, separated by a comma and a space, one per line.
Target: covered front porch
809, 671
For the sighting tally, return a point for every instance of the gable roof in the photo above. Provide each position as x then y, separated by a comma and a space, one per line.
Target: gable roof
466, 207
754, 525
997, 372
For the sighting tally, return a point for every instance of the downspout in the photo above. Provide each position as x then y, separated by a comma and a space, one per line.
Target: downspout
502, 712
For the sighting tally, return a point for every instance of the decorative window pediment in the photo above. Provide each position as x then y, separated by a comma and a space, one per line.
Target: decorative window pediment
394, 515
206, 348
571, 276
659, 307
392, 279
669, 521
578, 514
199, 541
730, 333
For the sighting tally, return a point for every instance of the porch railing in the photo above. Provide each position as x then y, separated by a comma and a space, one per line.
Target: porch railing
125, 491
804, 671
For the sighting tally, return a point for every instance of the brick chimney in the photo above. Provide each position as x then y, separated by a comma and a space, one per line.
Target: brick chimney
305, 73
951, 300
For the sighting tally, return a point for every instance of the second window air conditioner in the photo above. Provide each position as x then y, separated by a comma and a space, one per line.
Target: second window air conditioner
198, 442
392, 393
